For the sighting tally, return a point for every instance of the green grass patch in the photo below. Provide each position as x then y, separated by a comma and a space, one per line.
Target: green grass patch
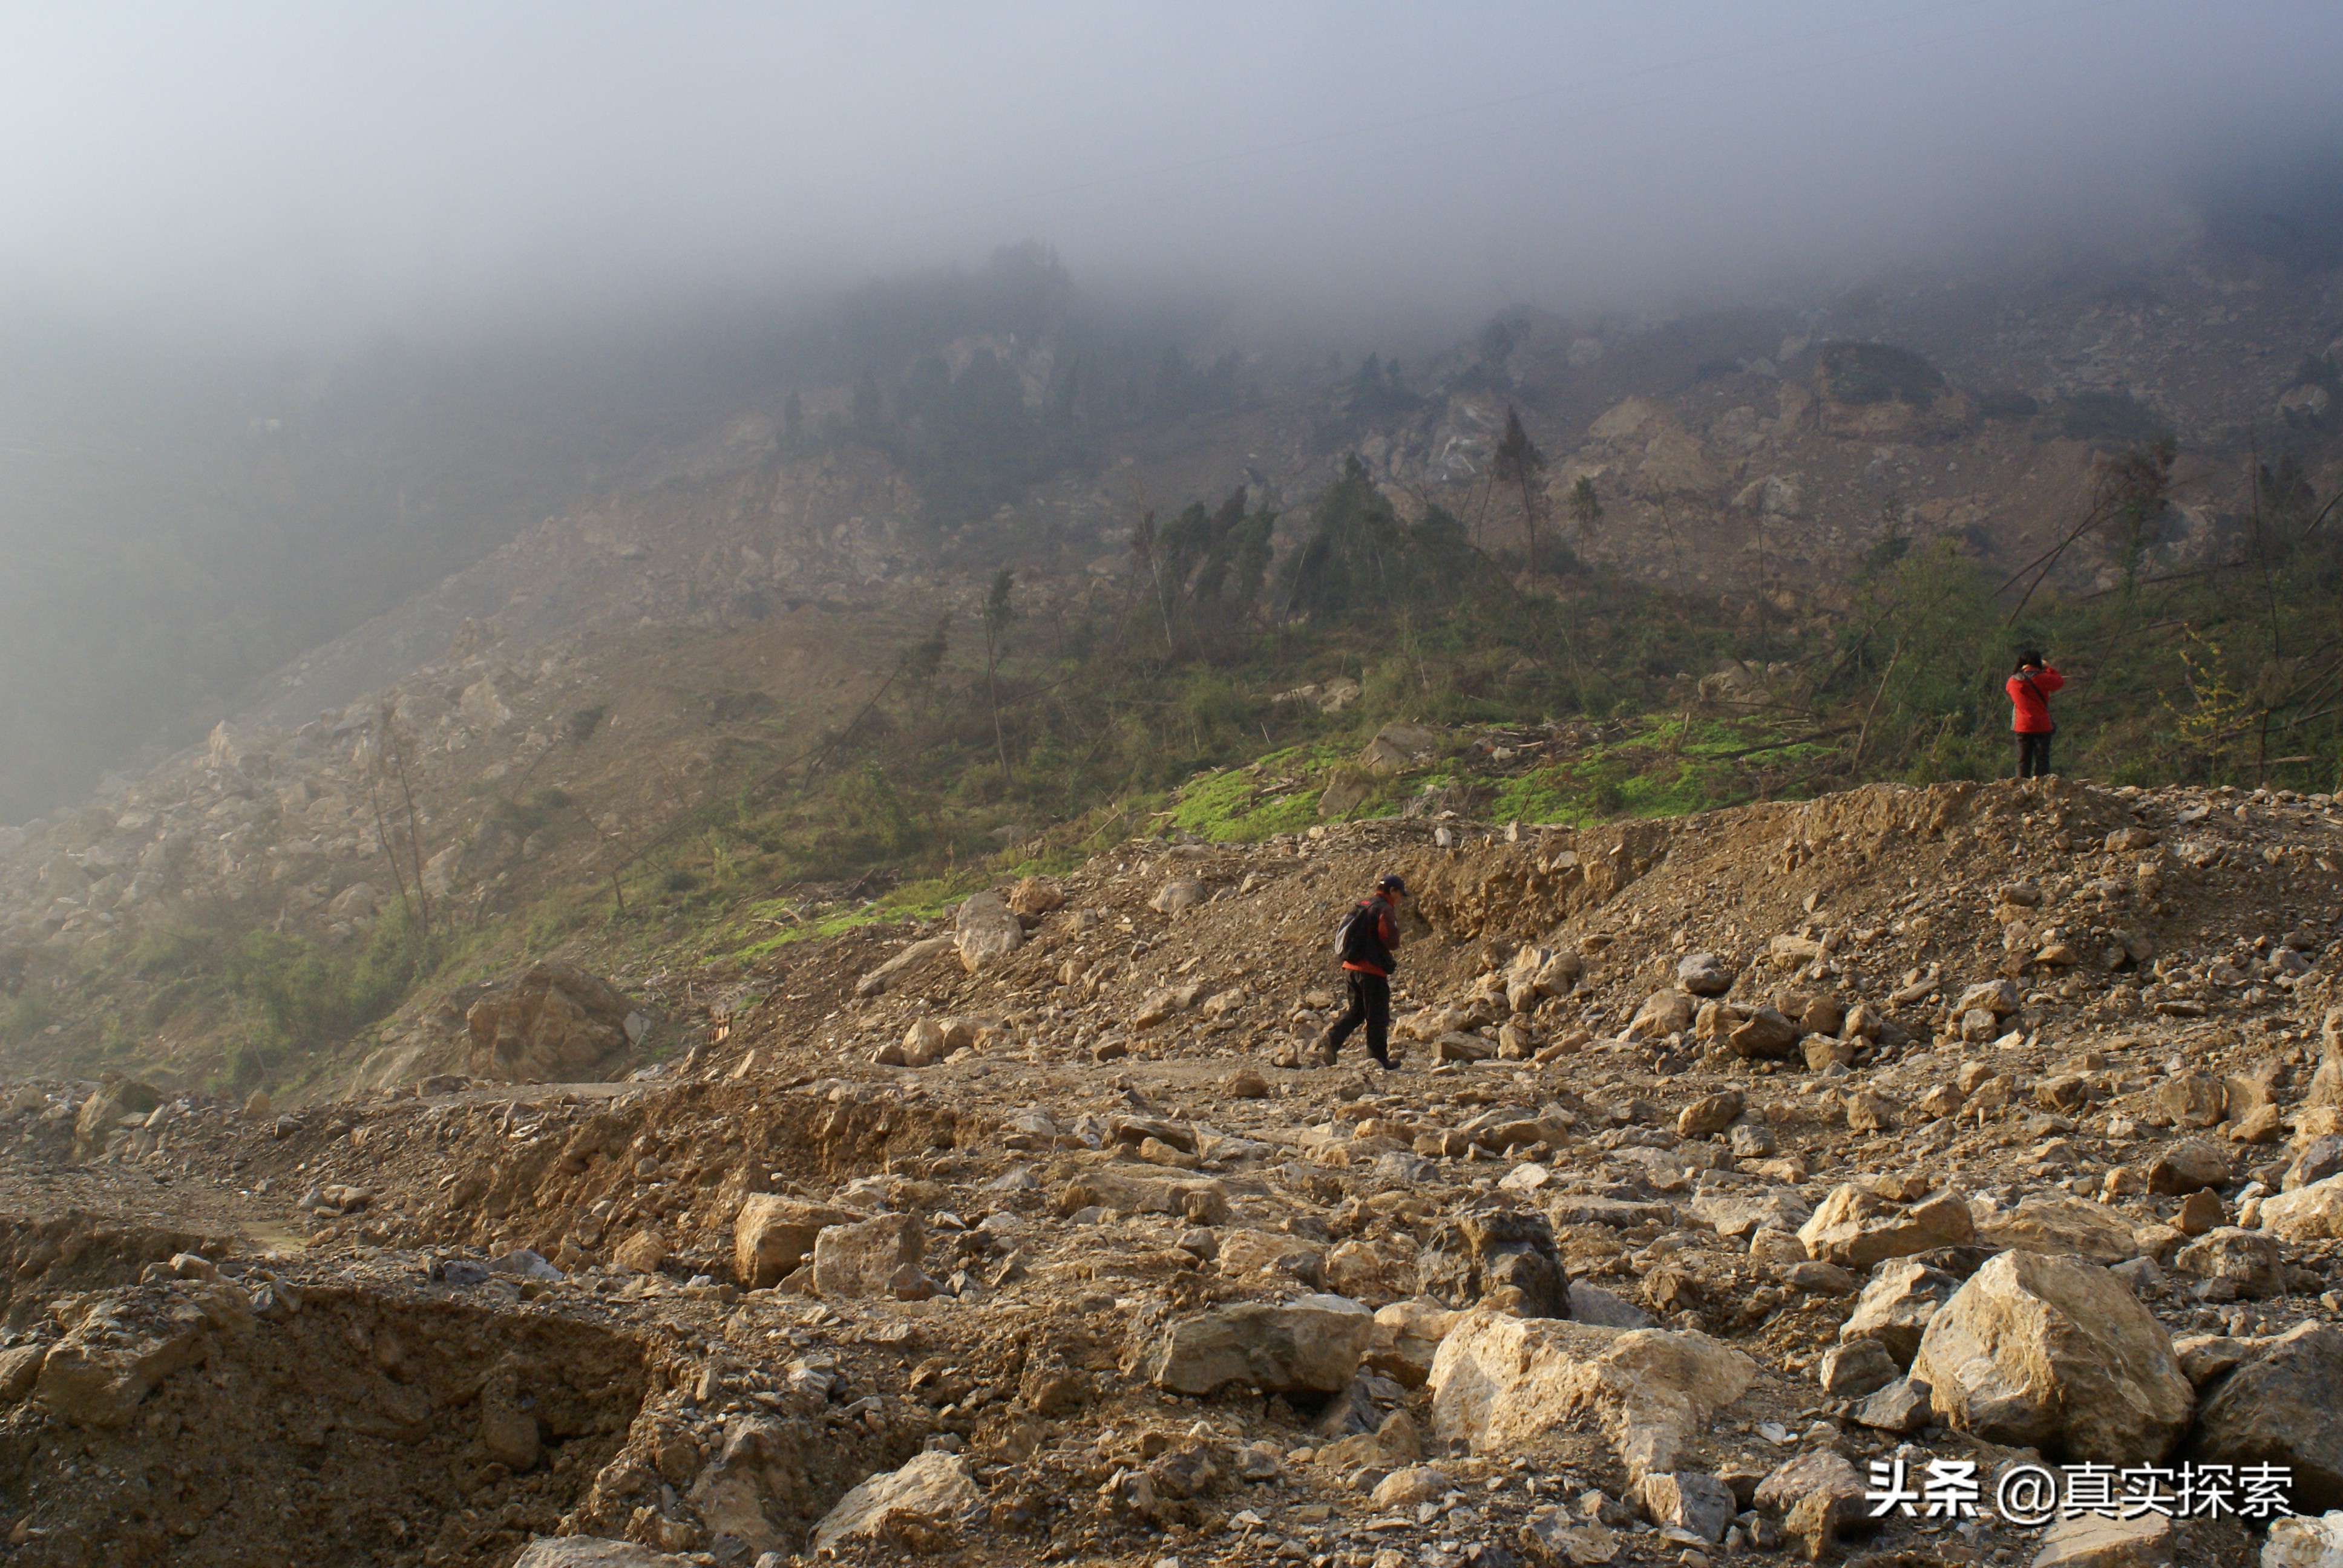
775, 924
1277, 793
1666, 768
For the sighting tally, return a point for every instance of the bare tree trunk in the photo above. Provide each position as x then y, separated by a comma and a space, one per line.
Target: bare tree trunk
382, 831
992, 691
414, 834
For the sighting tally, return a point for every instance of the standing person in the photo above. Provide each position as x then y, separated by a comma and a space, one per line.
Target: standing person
1366, 938
2029, 702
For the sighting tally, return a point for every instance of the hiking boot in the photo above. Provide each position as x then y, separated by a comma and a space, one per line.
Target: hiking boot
1324, 1051
1383, 1060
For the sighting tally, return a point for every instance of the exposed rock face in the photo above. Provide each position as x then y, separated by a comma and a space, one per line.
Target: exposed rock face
1313, 1344
2054, 1353
559, 1022
1502, 1383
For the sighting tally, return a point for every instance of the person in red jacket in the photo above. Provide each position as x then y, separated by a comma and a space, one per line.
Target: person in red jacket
2029, 702
1368, 934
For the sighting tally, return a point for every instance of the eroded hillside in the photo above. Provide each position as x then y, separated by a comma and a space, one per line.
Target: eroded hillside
1726, 1157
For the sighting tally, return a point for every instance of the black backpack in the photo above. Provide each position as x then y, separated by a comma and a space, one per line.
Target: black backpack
1356, 929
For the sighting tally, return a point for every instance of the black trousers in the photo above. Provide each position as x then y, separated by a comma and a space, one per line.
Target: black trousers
1369, 1005
2033, 755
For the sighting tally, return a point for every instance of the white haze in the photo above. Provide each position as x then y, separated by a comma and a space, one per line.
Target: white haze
326, 172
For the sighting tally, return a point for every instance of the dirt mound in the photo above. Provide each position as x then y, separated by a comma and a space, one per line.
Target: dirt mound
41, 1259
350, 1427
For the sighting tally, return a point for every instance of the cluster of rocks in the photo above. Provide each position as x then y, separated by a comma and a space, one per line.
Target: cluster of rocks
1035, 1228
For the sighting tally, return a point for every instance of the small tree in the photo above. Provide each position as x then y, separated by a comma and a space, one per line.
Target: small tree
2130, 491
1519, 462
998, 612
1586, 509
388, 763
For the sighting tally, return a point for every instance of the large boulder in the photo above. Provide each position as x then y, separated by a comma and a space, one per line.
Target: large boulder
2326, 1084
102, 1111
1895, 1306
866, 1258
2304, 1541
987, 931
1765, 1035
1309, 1345
1818, 1472
2056, 1224
774, 1235
920, 1506
1034, 897
1688, 1500
1744, 1212
2309, 1214
2315, 1160
2280, 1408
1399, 745
592, 1552
1504, 1383
1197, 1200
913, 961
1178, 895
1498, 1257
1857, 1227
1537, 973
2098, 1541
2251, 1260
98, 1374
1703, 974
2188, 1165
1709, 1115
2053, 1352
1664, 1012
1407, 1335
557, 1023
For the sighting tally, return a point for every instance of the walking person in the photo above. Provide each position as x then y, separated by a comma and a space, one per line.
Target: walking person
1366, 938
2029, 702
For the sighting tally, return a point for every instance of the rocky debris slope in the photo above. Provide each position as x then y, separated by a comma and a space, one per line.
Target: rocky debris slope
1727, 1157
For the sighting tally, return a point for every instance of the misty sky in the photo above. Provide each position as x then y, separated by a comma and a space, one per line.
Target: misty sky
298, 168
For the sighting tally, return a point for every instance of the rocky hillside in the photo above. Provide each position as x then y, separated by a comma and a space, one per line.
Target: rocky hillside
483, 758
1024, 1237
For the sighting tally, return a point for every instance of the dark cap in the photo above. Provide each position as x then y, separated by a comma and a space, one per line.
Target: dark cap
1392, 884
